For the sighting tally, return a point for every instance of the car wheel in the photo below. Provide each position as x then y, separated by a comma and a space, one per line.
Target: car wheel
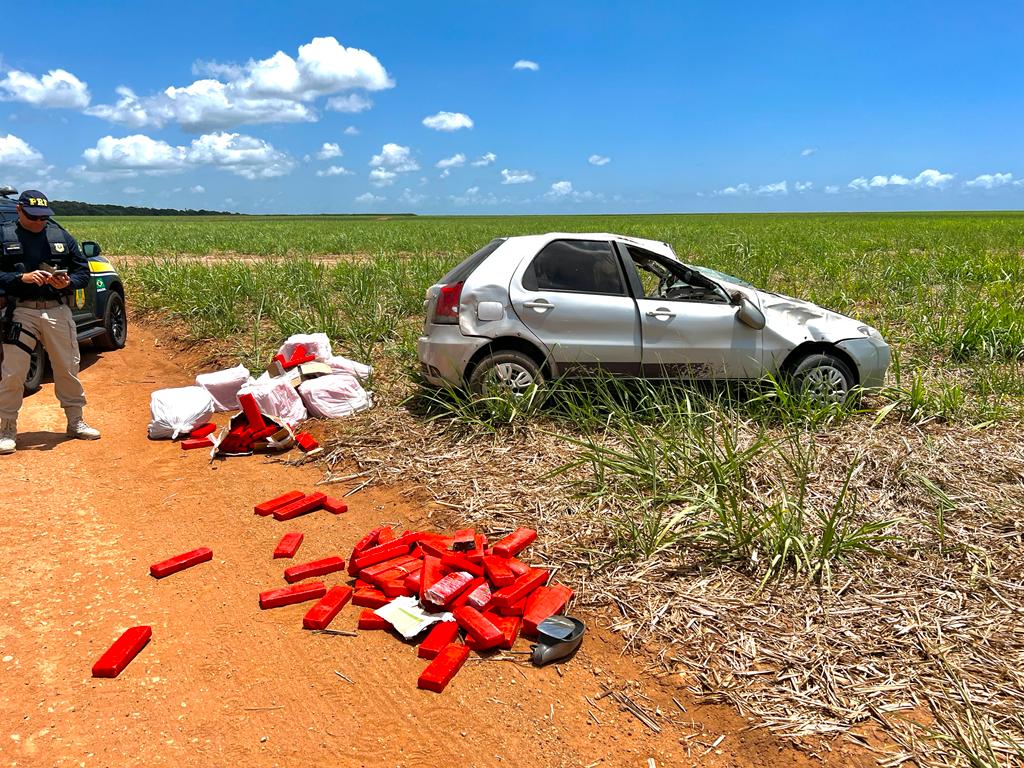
36, 370
115, 324
824, 378
508, 371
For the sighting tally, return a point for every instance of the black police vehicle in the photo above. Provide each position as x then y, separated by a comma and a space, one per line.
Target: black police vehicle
98, 310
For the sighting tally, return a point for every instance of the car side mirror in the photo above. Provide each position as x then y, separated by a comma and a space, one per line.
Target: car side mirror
746, 312
90, 249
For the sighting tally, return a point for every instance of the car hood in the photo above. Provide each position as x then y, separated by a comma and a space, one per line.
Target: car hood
798, 320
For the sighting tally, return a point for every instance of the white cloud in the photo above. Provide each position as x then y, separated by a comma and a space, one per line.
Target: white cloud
739, 189
598, 160
245, 156
803, 186
990, 181
472, 196
533, 66
369, 197
455, 161
929, 178
778, 188
515, 177
562, 190
274, 90
133, 190
329, 150
17, 153
351, 103
198, 189
410, 197
832, 189
57, 88
351, 131
485, 159
395, 157
448, 121
808, 152
335, 170
382, 178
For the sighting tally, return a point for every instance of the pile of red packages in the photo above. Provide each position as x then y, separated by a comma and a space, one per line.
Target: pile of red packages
492, 595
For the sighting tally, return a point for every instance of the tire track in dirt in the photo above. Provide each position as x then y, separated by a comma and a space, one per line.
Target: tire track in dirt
224, 683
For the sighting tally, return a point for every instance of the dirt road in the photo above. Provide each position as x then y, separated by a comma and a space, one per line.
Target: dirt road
225, 684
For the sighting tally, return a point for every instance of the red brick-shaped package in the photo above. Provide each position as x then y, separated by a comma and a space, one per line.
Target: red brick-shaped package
321, 614
181, 562
515, 542
445, 591
443, 668
440, 635
314, 568
120, 654
522, 587
288, 545
542, 604
297, 593
479, 627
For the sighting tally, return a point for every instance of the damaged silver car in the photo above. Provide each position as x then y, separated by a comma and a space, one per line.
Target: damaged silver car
525, 309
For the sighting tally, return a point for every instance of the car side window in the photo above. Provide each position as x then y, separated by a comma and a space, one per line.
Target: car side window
664, 279
580, 266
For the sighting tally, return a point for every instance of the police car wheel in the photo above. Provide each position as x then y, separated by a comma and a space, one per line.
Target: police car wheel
36, 370
115, 324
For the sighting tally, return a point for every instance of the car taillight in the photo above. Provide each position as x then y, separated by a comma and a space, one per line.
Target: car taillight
447, 308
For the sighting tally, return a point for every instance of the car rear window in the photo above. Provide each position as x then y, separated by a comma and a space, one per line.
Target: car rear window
584, 266
467, 266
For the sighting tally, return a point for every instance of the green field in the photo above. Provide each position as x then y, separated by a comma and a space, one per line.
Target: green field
820, 567
945, 289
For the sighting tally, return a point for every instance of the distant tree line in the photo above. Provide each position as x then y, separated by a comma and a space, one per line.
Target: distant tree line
76, 208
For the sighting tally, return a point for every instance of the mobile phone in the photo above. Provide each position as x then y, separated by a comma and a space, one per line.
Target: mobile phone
60, 271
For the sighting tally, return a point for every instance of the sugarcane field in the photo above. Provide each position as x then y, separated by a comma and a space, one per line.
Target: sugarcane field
341, 429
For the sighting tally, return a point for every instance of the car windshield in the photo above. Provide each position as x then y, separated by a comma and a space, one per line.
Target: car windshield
714, 274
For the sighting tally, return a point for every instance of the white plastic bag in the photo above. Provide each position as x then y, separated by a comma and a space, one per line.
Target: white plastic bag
223, 386
277, 398
316, 344
334, 396
178, 411
341, 364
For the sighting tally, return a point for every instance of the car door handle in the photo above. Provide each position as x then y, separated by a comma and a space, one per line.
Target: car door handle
540, 304
661, 314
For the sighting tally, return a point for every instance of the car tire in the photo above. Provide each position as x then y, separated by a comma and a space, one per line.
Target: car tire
823, 377
115, 324
36, 370
507, 370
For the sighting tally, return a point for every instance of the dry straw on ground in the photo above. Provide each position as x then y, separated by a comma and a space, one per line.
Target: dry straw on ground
925, 643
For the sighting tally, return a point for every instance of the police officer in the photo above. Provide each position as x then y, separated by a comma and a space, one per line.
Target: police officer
40, 265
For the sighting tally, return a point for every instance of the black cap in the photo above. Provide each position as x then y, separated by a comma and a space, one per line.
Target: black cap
34, 203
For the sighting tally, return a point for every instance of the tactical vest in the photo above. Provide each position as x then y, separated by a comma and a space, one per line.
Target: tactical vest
11, 250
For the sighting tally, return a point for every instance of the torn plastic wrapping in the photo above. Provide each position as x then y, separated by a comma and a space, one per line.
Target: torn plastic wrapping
276, 397
316, 344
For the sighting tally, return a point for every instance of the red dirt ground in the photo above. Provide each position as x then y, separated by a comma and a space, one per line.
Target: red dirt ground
225, 684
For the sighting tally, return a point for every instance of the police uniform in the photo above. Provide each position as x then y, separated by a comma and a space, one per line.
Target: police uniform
41, 316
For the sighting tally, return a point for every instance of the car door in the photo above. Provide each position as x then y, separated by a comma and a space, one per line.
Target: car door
688, 325
572, 295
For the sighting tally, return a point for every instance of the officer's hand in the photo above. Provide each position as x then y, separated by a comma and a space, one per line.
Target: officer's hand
39, 277
60, 282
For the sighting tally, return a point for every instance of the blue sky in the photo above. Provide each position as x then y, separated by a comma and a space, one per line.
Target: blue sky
614, 106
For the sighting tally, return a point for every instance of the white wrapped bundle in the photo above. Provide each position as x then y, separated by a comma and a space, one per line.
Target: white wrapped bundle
223, 386
334, 396
277, 398
178, 411
316, 344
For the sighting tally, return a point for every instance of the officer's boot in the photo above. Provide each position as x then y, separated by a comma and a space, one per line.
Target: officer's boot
78, 429
8, 435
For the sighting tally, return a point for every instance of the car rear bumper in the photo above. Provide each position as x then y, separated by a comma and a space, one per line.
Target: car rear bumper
444, 353
872, 356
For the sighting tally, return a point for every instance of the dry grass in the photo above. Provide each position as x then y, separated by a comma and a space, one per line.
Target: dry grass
926, 642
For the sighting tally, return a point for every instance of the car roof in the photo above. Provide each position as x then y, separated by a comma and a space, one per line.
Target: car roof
539, 241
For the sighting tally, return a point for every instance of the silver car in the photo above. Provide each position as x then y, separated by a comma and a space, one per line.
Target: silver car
523, 309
